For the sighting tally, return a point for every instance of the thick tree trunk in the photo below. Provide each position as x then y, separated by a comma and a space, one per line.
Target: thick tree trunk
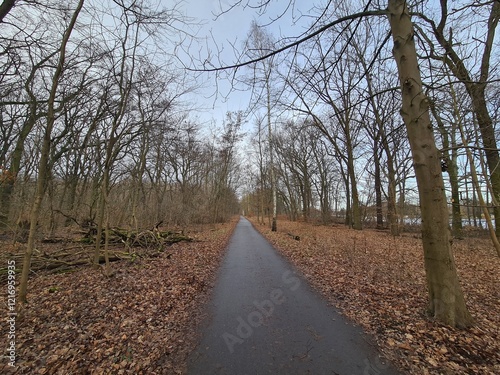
446, 300
138, 188
449, 157
293, 202
5, 8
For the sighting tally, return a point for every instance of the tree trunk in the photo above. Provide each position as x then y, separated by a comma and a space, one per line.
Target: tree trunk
489, 142
7, 185
6, 189
324, 196
376, 136
476, 90
477, 187
34, 215
378, 186
43, 170
274, 224
72, 186
356, 209
101, 211
5, 8
449, 157
446, 300
348, 211
456, 211
392, 207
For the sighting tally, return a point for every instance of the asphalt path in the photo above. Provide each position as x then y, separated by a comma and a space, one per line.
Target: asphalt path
265, 319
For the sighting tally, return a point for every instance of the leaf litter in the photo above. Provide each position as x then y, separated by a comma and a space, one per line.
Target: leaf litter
142, 320
378, 282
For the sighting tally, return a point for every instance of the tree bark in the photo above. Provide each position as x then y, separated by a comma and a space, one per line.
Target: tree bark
378, 186
392, 206
446, 300
449, 156
274, 224
43, 170
348, 211
355, 208
5, 8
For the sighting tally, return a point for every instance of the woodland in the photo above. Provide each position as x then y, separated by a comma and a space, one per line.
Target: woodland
377, 124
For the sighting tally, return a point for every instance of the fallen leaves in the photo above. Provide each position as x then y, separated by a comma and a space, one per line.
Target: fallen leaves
378, 281
142, 320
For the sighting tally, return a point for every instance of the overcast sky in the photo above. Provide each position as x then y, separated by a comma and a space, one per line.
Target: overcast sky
232, 28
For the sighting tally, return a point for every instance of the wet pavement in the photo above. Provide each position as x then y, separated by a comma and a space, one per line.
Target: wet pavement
265, 319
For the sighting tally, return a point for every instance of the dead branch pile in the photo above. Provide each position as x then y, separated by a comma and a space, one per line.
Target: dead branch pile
123, 245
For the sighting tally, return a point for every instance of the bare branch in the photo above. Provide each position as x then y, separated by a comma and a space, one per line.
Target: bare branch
5, 8
297, 42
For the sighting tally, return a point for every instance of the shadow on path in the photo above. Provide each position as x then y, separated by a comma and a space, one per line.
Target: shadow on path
265, 319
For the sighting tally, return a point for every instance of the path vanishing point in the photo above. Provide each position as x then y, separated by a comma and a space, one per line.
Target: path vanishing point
264, 318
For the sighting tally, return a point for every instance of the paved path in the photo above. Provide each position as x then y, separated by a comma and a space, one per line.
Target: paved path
265, 319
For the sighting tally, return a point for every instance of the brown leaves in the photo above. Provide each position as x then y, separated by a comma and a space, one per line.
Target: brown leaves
378, 281
141, 321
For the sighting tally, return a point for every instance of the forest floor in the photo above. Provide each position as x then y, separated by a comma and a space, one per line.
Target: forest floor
378, 282
142, 320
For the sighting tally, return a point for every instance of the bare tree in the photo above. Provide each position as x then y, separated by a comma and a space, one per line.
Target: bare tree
449, 164
261, 163
28, 104
43, 168
446, 300
138, 23
446, 48
258, 44
296, 157
225, 164
338, 125
5, 8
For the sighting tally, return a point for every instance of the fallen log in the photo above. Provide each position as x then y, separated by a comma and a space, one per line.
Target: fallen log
153, 242
54, 239
47, 262
146, 239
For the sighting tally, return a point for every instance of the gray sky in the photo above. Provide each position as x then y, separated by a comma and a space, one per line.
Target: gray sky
232, 28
